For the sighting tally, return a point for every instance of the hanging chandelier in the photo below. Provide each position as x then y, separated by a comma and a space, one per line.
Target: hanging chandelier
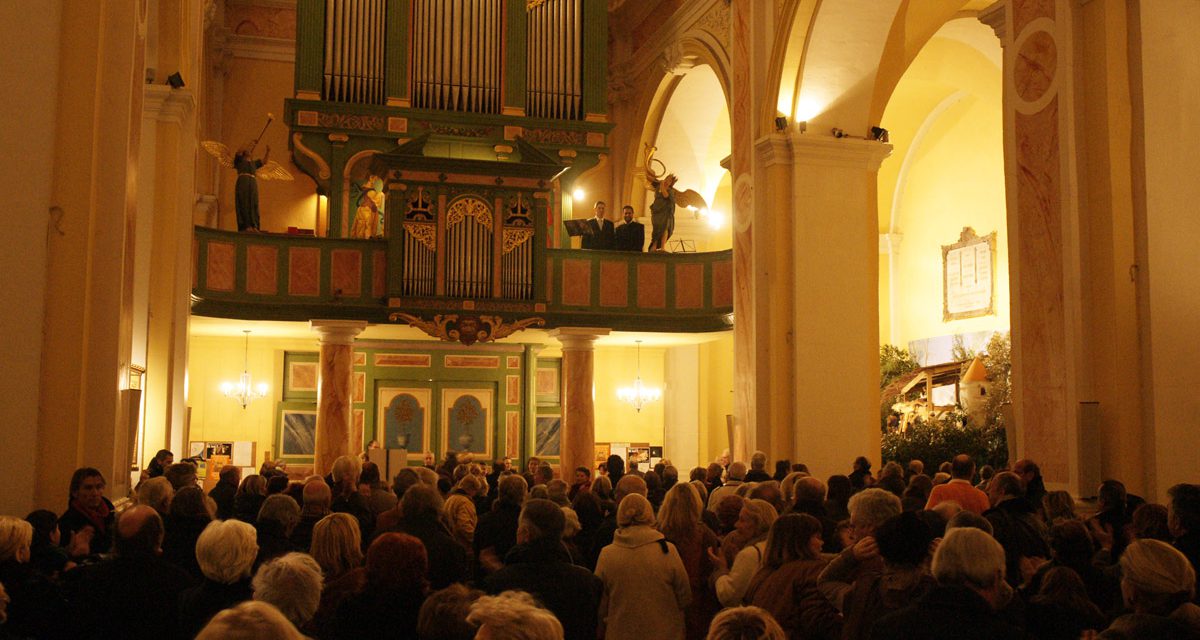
242, 390
639, 394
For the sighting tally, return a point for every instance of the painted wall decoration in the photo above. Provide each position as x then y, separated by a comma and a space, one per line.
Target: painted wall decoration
467, 420
512, 434
404, 414
360, 386
546, 386
302, 376
298, 433
512, 389
548, 436
513, 362
402, 359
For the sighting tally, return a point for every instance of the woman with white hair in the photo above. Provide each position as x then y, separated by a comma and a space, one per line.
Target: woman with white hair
226, 551
36, 606
753, 524
645, 584
513, 615
291, 583
1158, 585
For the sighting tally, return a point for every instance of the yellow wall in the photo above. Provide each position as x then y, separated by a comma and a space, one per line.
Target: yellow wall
716, 396
213, 360
254, 88
946, 172
617, 421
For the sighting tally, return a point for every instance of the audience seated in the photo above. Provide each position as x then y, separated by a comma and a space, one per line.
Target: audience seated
869, 509
89, 514
317, 498
786, 586
745, 623
731, 581
627, 485
133, 594
1183, 517
809, 498
645, 583
249, 498
226, 551
734, 479
391, 596
337, 545
225, 490
1015, 524
181, 474
250, 621
1158, 584
444, 614
959, 488
182, 526
969, 568
461, 515
540, 565
422, 511
679, 520
758, 468
513, 615
496, 532
1061, 607
292, 584
277, 518
36, 606
380, 498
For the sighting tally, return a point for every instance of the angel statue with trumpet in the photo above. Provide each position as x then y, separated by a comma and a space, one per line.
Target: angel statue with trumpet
666, 197
249, 171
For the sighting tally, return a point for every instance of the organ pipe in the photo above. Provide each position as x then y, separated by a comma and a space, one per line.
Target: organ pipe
354, 45
554, 50
456, 54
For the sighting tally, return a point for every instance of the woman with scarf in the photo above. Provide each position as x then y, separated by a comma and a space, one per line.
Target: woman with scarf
89, 514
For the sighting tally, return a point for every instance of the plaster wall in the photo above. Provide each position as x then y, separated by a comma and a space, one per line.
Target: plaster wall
617, 421
946, 172
30, 30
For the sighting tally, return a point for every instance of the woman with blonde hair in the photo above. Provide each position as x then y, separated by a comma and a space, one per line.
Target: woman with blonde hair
745, 623
252, 620
679, 521
459, 510
337, 545
753, 523
645, 583
36, 607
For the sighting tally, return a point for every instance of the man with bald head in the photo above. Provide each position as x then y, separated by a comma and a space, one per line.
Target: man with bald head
317, 499
608, 527
132, 594
960, 489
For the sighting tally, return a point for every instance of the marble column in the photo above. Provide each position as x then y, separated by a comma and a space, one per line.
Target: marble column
579, 409
335, 386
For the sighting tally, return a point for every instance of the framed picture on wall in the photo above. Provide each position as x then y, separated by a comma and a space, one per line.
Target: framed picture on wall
297, 432
548, 436
403, 418
601, 454
468, 421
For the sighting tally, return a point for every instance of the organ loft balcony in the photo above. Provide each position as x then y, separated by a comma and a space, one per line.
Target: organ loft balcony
445, 145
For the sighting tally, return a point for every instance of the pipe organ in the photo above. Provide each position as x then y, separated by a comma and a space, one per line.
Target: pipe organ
457, 55
554, 53
354, 51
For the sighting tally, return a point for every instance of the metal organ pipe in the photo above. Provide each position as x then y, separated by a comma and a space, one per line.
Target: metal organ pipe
354, 41
554, 82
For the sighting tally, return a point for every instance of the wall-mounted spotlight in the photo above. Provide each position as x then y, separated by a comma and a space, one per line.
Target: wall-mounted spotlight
175, 80
838, 133
780, 123
879, 133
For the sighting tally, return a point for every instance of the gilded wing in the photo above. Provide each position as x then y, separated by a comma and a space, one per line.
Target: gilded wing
219, 151
273, 171
690, 198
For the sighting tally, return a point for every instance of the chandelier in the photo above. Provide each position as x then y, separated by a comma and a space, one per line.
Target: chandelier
639, 394
242, 390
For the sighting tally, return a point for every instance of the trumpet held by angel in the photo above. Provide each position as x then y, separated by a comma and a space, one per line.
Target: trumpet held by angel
666, 198
249, 172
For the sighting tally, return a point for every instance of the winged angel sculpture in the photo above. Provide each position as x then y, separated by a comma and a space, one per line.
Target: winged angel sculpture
666, 198
249, 172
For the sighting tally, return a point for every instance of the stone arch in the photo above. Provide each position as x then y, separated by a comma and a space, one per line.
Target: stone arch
695, 49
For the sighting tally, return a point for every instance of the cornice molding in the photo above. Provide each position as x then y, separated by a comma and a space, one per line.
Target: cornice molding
162, 103
260, 48
996, 17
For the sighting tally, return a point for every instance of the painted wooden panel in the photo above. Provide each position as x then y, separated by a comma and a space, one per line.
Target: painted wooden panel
614, 283
722, 284
402, 360
689, 286
219, 269
262, 269
379, 274
652, 285
577, 282
304, 271
346, 276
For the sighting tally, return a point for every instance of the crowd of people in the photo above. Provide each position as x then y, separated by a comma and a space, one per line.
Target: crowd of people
731, 552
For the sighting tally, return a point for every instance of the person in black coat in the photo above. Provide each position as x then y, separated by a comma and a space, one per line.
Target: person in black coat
36, 606
541, 566
278, 517
89, 513
602, 235
225, 490
421, 511
1015, 525
390, 600
226, 552
496, 532
183, 525
134, 593
630, 236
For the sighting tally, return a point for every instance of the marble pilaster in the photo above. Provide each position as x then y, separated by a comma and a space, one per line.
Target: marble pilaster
335, 388
579, 410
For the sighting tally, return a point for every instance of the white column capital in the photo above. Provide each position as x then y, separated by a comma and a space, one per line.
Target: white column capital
338, 331
578, 338
162, 103
826, 151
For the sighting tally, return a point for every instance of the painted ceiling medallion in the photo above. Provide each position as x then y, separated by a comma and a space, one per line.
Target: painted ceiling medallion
466, 329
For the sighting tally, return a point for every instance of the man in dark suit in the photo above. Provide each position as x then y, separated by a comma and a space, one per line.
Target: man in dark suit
630, 236
601, 236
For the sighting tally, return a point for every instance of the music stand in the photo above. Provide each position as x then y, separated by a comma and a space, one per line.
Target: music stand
578, 228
